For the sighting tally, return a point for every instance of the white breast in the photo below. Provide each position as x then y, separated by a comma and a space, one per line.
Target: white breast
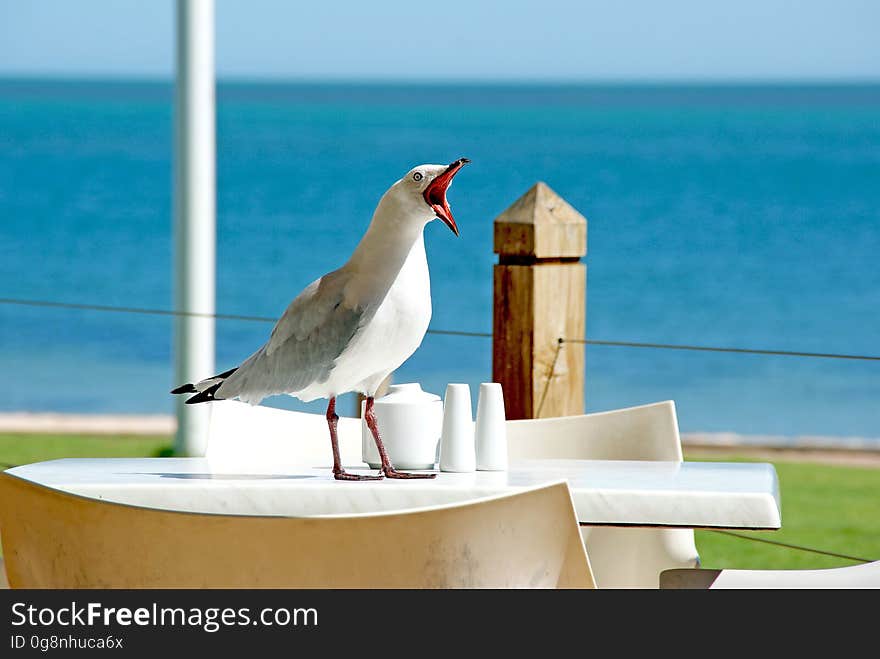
393, 334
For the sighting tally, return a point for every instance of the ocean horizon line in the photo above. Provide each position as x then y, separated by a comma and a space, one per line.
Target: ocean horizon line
503, 83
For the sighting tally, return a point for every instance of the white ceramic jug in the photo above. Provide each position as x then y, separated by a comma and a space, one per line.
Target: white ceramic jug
410, 421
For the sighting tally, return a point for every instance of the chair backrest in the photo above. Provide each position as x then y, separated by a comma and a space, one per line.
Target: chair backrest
239, 434
621, 557
647, 432
54, 539
850, 576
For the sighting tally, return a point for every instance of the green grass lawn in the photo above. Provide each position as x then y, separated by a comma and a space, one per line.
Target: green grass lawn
18, 449
826, 507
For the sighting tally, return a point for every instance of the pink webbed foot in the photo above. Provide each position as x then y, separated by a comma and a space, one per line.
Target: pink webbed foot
343, 475
393, 473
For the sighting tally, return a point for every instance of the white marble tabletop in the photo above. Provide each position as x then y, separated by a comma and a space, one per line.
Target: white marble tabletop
605, 492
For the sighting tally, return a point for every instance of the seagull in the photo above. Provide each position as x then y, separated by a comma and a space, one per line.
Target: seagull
350, 329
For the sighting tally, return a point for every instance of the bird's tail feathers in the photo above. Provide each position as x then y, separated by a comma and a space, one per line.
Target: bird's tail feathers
205, 390
206, 395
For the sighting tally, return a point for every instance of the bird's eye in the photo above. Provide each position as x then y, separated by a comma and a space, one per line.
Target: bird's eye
418, 176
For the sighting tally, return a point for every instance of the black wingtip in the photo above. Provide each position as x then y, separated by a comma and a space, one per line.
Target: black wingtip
188, 388
205, 396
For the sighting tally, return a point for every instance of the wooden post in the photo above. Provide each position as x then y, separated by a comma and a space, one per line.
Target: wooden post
540, 296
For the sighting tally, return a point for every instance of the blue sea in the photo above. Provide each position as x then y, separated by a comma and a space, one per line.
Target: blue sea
744, 216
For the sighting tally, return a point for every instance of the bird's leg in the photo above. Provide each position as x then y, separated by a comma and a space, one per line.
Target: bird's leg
338, 472
387, 468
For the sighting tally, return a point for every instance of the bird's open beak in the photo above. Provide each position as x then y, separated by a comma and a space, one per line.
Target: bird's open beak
435, 193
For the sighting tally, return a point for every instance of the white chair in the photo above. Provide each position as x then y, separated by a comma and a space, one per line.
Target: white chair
55, 539
621, 557
853, 576
239, 434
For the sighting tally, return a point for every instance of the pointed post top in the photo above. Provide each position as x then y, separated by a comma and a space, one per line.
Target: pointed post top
541, 225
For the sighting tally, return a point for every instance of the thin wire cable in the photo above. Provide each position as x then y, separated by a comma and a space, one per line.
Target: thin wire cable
791, 546
748, 351
140, 310
168, 312
487, 335
597, 342
549, 378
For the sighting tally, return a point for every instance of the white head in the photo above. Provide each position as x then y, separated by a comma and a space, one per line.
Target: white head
423, 190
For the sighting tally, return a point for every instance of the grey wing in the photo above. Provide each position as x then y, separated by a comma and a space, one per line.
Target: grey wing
305, 344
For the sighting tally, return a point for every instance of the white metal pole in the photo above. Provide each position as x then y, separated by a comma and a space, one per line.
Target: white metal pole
194, 213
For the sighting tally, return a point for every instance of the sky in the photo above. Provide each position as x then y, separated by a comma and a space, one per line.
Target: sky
573, 40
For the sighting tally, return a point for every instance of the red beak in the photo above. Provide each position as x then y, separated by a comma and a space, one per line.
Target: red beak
435, 193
